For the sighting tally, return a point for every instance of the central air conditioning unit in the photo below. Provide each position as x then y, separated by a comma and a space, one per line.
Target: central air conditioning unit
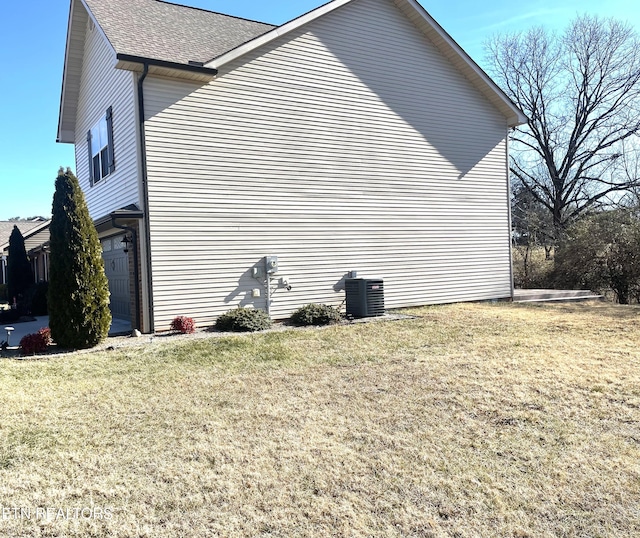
365, 297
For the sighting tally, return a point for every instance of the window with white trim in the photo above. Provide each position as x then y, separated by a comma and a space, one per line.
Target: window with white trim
100, 145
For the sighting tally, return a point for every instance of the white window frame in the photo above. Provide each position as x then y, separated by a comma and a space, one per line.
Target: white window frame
100, 148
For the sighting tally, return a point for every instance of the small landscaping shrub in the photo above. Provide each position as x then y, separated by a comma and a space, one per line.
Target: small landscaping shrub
243, 320
45, 332
4, 297
183, 324
316, 314
31, 344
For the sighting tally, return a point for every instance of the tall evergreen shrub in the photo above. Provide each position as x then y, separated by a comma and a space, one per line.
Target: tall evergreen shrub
19, 272
79, 315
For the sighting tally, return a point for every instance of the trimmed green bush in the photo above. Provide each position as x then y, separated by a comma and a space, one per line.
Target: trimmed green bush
316, 314
79, 315
4, 297
243, 320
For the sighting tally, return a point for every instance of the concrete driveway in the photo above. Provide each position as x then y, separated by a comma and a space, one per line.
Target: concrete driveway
118, 326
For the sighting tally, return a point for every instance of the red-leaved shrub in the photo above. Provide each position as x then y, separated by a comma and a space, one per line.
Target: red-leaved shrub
33, 343
183, 324
45, 332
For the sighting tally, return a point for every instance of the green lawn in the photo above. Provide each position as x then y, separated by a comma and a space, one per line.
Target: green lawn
470, 420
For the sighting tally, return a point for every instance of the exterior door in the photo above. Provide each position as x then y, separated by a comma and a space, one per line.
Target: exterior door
116, 267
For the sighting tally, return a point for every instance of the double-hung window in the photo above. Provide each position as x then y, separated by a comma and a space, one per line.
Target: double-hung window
100, 143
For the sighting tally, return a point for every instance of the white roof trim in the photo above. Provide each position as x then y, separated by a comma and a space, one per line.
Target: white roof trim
62, 137
518, 116
275, 33
67, 136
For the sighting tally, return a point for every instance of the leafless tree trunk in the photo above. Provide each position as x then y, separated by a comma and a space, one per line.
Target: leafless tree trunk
581, 92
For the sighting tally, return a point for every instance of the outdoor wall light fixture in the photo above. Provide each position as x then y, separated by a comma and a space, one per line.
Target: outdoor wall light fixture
126, 241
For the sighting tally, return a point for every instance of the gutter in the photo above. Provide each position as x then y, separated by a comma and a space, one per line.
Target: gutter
191, 67
145, 191
197, 68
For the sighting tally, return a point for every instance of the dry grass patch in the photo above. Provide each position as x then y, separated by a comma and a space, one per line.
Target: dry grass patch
471, 420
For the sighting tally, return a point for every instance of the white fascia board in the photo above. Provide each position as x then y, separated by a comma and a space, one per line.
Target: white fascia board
518, 117
275, 33
33, 231
68, 136
63, 137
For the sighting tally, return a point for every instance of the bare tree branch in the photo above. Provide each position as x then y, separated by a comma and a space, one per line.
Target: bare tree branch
581, 93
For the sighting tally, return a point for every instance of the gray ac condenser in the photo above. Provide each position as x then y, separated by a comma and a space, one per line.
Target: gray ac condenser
365, 297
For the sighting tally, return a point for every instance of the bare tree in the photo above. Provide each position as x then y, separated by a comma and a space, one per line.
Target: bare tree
532, 230
581, 93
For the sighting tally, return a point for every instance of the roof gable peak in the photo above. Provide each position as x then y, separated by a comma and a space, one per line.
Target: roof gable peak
424, 22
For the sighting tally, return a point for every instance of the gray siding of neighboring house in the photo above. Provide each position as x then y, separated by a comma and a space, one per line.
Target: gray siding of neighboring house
102, 87
350, 144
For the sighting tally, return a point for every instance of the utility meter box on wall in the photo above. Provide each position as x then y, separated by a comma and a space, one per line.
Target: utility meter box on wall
271, 264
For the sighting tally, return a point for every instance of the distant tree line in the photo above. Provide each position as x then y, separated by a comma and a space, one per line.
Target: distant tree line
28, 219
575, 166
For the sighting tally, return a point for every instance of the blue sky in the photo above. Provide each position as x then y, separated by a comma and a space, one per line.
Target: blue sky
32, 46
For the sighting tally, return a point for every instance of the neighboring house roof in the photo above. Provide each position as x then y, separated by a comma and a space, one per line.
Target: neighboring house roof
28, 229
178, 35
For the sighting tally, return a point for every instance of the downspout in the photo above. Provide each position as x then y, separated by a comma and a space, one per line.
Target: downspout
145, 192
136, 278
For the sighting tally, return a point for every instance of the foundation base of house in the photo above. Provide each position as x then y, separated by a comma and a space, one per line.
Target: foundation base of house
539, 296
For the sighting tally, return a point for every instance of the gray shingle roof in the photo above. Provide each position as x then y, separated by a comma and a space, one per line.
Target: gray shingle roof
173, 33
6, 227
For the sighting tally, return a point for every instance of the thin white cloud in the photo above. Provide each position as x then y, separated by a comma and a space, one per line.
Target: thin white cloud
543, 14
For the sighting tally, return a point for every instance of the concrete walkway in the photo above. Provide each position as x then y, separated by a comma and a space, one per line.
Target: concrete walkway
22, 329
540, 296
118, 327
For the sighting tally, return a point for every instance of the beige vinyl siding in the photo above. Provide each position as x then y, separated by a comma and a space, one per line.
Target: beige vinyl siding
102, 86
349, 144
